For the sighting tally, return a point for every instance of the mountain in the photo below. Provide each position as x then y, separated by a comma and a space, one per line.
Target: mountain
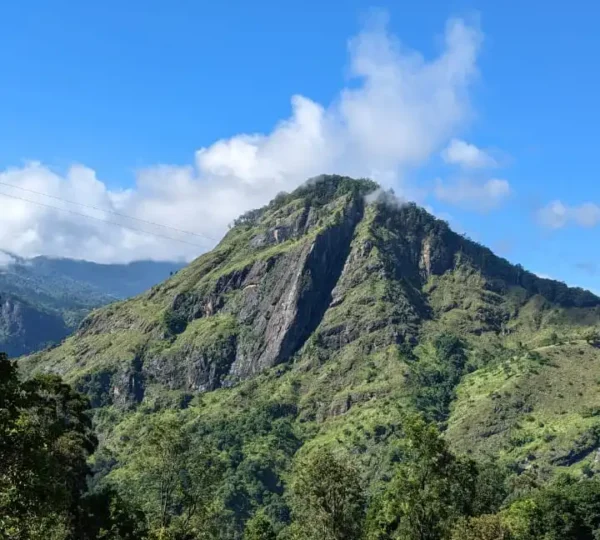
44, 299
318, 321
25, 329
116, 280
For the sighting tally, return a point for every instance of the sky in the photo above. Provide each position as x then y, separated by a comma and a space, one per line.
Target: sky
126, 126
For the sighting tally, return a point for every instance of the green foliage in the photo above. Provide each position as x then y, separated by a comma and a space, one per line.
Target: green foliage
327, 499
486, 527
258, 445
259, 527
566, 510
251, 448
105, 515
325, 188
492, 488
175, 480
434, 376
174, 322
45, 439
430, 491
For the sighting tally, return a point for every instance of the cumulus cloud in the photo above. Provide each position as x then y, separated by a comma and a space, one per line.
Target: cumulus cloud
557, 215
470, 194
468, 156
400, 110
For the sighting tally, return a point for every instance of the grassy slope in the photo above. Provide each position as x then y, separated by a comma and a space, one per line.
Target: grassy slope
538, 410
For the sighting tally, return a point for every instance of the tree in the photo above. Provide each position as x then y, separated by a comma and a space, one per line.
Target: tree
175, 479
105, 515
491, 489
259, 527
433, 378
327, 499
45, 440
486, 527
430, 491
568, 509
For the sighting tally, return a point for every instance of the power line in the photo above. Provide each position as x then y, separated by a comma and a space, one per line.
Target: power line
201, 235
102, 220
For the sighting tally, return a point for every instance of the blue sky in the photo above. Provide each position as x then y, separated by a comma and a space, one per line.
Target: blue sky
119, 87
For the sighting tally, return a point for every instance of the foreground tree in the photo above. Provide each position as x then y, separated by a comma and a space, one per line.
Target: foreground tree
327, 499
569, 509
430, 491
174, 480
45, 440
105, 515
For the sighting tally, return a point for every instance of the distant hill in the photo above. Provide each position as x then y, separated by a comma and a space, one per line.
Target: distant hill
44, 299
320, 318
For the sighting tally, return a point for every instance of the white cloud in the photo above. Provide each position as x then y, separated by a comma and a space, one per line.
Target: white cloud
6, 259
481, 196
467, 155
400, 110
557, 215
587, 215
553, 216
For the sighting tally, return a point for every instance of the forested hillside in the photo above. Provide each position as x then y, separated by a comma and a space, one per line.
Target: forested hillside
342, 366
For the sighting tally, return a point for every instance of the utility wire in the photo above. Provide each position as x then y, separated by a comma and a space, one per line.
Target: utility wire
108, 211
103, 220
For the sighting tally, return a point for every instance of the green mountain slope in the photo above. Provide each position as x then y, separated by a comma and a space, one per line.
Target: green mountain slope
317, 321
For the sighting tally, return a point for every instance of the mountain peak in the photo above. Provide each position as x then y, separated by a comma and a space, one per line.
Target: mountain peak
317, 191
333, 264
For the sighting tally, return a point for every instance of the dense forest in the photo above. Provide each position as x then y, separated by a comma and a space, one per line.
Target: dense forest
45, 492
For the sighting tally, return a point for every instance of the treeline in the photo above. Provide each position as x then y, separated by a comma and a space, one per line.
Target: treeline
174, 487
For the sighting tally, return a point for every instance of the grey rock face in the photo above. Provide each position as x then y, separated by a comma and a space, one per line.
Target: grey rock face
281, 312
276, 302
